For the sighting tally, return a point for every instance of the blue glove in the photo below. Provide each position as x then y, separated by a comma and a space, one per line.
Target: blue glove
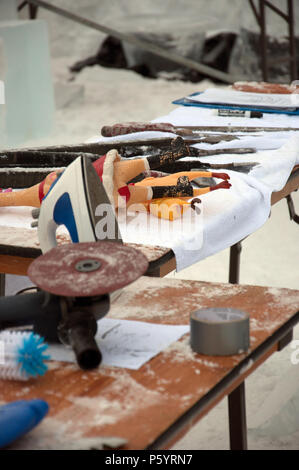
19, 417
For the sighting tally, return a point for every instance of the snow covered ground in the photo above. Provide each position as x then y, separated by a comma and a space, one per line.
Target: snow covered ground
99, 96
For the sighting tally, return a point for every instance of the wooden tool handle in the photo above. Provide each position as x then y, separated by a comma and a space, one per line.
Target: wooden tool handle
131, 127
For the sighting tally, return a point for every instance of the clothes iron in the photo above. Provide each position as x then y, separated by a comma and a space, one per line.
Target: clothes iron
77, 199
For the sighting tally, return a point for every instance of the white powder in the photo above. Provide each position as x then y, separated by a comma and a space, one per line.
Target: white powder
283, 300
104, 410
67, 429
181, 351
55, 434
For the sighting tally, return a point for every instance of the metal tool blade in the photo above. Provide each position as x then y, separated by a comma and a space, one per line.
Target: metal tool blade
196, 152
243, 167
87, 269
204, 182
99, 205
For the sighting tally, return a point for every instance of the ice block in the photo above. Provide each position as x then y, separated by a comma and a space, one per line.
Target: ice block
28, 112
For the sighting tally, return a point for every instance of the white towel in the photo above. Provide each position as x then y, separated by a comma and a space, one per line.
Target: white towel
227, 215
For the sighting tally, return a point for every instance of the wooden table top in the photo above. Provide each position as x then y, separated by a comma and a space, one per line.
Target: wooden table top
20, 246
19, 241
140, 405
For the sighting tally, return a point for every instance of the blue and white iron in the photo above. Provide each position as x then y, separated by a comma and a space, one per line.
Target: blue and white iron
72, 201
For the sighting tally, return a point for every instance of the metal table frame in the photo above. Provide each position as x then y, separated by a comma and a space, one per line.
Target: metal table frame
260, 16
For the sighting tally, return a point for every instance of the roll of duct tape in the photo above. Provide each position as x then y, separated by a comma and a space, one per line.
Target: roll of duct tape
219, 331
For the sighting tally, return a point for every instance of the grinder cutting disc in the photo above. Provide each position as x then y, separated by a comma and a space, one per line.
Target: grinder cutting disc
87, 269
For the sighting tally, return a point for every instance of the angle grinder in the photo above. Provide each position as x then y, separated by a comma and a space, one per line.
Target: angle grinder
74, 284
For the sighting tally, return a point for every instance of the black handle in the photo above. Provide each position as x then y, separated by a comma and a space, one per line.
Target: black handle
81, 338
39, 309
43, 312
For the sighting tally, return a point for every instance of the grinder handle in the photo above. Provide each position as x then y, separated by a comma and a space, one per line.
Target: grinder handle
30, 309
82, 341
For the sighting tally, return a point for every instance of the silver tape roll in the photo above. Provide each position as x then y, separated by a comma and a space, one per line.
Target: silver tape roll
219, 331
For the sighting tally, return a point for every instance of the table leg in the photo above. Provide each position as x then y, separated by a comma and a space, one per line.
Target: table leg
234, 263
285, 340
2, 284
237, 418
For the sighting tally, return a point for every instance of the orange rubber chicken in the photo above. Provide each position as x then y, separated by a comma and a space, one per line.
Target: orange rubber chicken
115, 173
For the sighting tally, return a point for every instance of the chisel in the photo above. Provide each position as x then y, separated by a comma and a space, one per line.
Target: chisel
193, 165
131, 127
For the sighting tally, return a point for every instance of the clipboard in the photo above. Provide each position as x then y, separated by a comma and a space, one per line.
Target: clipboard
186, 102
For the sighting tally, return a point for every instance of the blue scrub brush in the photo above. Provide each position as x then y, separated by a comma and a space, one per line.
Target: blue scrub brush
22, 355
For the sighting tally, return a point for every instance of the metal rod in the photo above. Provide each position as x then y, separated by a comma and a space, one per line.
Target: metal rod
22, 5
291, 207
289, 18
255, 12
32, 11
263, 40
234, 263
2, 284
277, 10
237, 418
153, 48
291, 22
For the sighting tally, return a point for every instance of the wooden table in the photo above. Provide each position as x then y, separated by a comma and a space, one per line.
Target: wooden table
19, 246
156, 405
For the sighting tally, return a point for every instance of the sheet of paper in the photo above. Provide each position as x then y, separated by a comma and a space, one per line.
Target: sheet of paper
125, 343
241, 98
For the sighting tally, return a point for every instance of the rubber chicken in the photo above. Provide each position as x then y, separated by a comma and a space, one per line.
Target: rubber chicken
115, 173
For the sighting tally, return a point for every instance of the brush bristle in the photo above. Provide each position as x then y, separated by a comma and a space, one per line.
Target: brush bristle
23, 355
